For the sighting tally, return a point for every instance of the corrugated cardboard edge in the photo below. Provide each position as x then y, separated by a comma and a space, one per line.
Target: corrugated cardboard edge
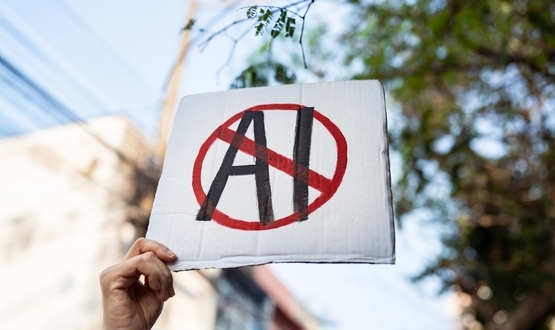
387, 182
240, 262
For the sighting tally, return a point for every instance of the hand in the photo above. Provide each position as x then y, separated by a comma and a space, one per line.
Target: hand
127, 302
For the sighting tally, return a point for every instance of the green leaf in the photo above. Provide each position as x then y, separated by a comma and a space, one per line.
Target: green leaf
259, 29
267, 17
275, 33
279, 25
289, 27
251, 12
282, 16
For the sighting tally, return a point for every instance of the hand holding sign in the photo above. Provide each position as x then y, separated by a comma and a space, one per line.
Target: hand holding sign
129, 304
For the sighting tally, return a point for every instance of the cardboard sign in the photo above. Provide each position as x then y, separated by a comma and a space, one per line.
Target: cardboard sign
296, 173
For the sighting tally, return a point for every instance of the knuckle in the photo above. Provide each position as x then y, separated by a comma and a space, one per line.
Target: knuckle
156, 245
149, 256
104, 277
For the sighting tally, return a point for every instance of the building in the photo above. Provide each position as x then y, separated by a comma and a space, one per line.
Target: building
63, 207
71, 204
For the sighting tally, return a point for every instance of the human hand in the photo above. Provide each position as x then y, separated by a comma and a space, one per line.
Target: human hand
127, 302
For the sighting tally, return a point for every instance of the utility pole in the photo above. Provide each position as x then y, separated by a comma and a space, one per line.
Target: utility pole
146, 179
172, 88
172, 85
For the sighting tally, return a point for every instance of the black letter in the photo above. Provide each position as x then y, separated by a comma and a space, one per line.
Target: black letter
301, 157
260, 170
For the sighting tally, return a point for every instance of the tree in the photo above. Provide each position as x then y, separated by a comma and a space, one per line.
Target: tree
476, 84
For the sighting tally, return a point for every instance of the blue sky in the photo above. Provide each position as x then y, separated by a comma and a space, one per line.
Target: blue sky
101, 57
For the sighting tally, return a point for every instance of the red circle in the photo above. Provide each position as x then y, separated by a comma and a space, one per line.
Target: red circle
225, 220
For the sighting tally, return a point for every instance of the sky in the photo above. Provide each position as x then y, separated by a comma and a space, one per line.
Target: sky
101, 57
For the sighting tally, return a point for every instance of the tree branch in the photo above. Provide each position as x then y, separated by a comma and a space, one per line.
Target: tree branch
531, 312
302, 33
292, 9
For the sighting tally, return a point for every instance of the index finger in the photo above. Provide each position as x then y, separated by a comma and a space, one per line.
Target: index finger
143, 245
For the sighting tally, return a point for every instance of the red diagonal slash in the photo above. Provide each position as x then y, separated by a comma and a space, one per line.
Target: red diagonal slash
280, 162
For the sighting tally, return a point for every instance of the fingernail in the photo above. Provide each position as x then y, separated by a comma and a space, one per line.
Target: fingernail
170, 253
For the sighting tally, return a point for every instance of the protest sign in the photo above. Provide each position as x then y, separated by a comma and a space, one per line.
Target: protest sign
296, 173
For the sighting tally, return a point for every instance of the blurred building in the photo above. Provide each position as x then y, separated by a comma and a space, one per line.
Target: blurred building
70, 207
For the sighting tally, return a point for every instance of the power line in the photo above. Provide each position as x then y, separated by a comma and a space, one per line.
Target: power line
56, 107
25, 41
32, 98
16, 121
84, 35
134, 83
72, 14
92, 48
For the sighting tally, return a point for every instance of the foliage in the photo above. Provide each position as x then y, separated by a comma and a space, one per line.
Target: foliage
284, 21
279, 18
476, 84
264, 16
264, 74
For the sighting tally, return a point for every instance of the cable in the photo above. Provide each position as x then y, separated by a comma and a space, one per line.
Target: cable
95, 49
57, 108
135, 84
25, 41
78, 20
80, 31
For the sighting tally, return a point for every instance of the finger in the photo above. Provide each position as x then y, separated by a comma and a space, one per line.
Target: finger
166, 280
143, 245
156, 273
126, 273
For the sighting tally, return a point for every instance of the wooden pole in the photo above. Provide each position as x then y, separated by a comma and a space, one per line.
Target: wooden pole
172, 89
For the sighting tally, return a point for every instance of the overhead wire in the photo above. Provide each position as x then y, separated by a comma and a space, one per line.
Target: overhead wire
56, 108
15, 122
134, 83
92, 58
42, 98
122, 63
67, 115
26, 95
87, 38
53, 65
46, 42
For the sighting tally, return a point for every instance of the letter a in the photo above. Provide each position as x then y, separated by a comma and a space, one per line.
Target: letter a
259, 169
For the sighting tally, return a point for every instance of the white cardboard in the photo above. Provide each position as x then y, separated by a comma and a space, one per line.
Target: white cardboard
354, 226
